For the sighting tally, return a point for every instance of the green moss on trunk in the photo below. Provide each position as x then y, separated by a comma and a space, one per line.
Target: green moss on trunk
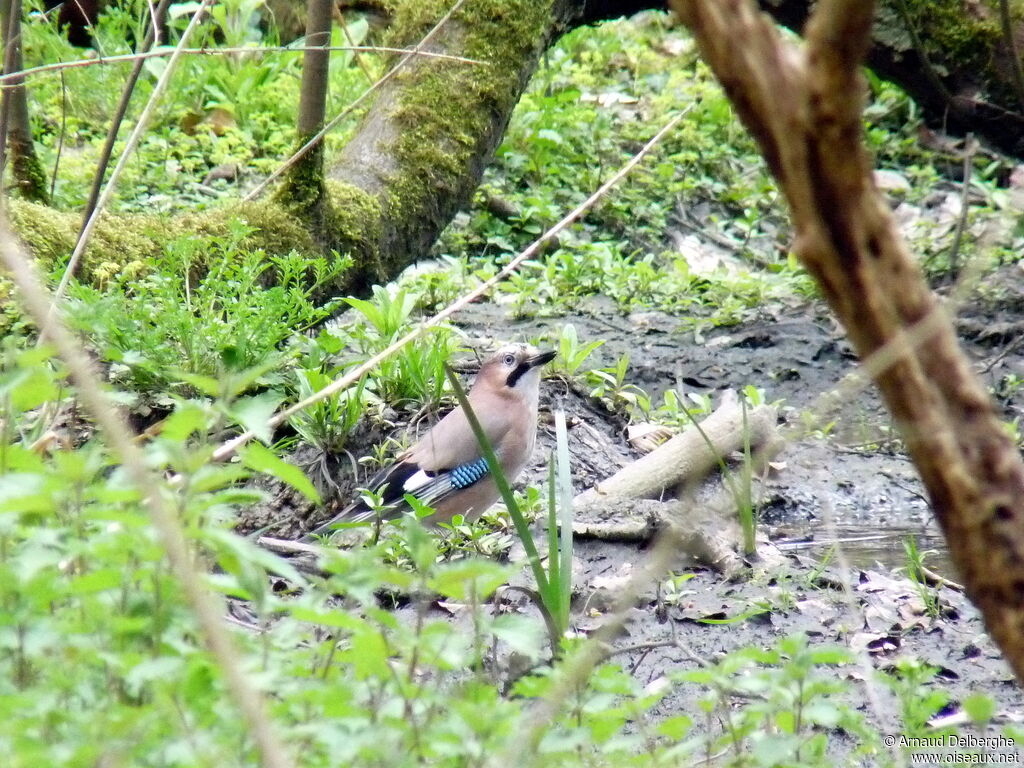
447, 109
132, 242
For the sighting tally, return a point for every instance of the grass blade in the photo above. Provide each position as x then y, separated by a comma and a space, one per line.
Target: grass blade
503, 487
554, 575
565, 515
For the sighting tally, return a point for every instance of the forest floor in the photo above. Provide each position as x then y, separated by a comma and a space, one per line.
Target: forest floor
840, 503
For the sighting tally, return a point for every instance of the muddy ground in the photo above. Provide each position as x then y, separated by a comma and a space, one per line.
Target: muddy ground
849, 484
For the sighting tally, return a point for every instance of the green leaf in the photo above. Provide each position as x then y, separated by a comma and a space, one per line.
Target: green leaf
831, 655
979, 707
823, 712
246, 550
368, 310
548, 135
33, 388
254, 413
520, 633
205, 384
468, 579
261, 459
188, 417
676, 727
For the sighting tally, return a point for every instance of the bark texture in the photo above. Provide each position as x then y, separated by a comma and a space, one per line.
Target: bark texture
303, 188
954, 57
803, 106
421, 147
15, 130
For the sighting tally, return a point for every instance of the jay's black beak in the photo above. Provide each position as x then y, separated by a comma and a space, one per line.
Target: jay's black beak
540, 359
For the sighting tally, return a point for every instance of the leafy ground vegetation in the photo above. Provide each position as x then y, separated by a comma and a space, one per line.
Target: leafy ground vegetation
397, 651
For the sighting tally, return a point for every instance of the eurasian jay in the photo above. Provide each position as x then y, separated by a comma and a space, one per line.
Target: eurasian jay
446, 469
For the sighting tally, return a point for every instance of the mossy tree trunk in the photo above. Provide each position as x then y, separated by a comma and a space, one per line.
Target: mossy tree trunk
804, 108
415, 159
303, 190
423, 143
15, 130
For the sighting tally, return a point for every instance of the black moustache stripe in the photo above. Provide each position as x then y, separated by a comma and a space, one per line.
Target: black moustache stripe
517, 373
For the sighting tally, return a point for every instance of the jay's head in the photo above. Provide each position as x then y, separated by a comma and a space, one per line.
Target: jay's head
514, 369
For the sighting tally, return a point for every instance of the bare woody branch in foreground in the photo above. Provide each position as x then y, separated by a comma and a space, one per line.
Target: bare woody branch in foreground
205, 607
803, 109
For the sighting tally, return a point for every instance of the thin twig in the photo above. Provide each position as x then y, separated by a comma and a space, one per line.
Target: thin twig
129, 149
63, 134
257, 50
301, 151
228, 448
845, 572
655, 644
1014, 51
206, 608
938, 580
931, 74
357, 55
100, 173
11, 44
961, 225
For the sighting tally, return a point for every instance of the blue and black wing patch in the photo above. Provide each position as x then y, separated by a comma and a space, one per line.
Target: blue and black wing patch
434, 487
405, 477
467, 474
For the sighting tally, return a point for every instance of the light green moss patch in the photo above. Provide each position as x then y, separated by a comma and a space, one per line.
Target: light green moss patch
447, 107
951, 32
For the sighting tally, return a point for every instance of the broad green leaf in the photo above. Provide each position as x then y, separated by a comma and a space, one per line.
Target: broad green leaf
188, 417
261, 459
205, 384
469, 579
33, 388
979, 707
254, 413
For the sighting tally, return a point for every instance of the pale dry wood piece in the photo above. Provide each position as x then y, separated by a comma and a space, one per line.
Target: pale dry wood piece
686, 457
803, 106
625, 507
705, 529
287, 546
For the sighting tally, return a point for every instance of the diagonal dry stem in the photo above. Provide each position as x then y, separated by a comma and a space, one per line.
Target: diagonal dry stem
228, 448
207, 609
248, 50
318, 137
129, 149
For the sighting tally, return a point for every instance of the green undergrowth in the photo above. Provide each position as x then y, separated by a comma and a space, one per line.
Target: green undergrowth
699, 227
93, 620
396, 653
227, 118
103, 662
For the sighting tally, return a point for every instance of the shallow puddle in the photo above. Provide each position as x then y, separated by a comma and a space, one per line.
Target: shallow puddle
879, 549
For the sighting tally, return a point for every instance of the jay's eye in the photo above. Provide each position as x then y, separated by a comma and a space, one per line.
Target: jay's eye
509, 360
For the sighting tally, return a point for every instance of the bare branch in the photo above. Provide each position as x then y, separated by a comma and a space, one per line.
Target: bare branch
254, 50
119, 113
207, 610
804, 108
133, 140
228, 448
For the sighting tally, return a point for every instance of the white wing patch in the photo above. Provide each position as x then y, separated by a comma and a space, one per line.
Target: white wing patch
415, 481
